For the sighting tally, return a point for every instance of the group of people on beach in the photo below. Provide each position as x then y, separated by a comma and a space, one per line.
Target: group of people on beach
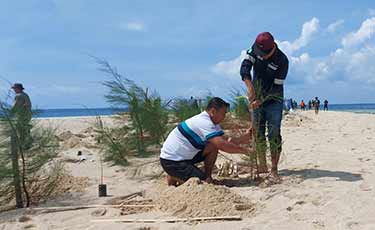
199, 138
311, 104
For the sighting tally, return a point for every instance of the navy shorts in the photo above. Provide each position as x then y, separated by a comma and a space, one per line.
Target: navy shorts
186, 169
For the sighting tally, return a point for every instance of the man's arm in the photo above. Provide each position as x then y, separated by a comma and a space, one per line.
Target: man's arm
282, 72
250, 89
222, 144
245, 73
16, 104
244, 139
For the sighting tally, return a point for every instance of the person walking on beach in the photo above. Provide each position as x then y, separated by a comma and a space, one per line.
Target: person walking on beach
294, 104
309, 105
198, 139
302, 105
316, 104
21, 110
266, 91
325, 108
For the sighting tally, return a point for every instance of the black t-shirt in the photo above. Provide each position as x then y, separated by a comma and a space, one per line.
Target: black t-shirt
268, 75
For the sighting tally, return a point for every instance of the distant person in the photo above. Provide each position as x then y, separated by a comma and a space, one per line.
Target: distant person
269, 67
316, 104
302, 105
194, 103
294, 104
325, 108
309, 104
198, 139
21, 110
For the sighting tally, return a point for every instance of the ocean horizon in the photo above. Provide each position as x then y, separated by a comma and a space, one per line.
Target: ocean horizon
77, 112
80, 112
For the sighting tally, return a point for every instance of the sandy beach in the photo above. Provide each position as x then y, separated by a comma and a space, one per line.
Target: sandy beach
326, 167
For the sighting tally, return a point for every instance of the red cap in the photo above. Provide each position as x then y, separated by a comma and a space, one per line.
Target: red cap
265, 41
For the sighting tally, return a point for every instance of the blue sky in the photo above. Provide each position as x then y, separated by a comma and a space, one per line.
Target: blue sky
183, 48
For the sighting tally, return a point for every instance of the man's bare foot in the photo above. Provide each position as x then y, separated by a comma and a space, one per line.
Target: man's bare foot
275, 176
173, 181
262, 169
209, 180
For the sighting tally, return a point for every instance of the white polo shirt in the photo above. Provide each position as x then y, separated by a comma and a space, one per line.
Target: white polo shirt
189, 137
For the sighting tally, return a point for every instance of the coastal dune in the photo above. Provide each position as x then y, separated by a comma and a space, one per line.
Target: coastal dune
326, 167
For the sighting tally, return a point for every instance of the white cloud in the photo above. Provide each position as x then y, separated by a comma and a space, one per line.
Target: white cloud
364, 33
134, 26
231, 67
344, 64
302, 59
309, 29
335, 25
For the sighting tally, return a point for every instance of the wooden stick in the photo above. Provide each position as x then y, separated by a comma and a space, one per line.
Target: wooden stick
228, 218
254, 145
126, 197
71, 208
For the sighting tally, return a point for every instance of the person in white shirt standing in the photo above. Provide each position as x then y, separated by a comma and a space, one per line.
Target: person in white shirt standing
198, 139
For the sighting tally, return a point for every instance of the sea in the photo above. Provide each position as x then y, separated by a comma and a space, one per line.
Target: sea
79, 112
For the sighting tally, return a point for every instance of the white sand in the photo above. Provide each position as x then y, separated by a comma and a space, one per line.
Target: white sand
327, 169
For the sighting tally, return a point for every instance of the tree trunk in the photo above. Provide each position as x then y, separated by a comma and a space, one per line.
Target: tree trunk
16, 172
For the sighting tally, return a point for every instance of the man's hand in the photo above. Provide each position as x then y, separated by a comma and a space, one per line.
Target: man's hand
229, 147
255, 104
251, 95
250, 89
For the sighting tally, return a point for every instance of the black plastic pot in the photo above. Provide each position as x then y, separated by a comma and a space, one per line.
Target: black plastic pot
102, 190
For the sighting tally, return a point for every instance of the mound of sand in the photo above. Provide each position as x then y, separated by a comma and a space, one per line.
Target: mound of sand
194, 199
296, 119
65, 135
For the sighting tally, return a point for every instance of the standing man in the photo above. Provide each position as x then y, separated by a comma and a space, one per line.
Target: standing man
22, 112
316, 104
266, 92
302, 105
198, 139
325, 108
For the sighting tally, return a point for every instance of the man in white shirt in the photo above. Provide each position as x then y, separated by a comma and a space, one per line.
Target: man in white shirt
198, 139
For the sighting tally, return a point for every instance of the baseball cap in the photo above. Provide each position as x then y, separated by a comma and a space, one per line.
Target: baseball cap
263, 44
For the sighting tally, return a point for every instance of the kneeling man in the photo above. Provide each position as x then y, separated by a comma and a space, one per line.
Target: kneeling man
198, 139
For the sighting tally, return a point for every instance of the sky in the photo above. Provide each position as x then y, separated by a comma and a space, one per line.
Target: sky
183, 48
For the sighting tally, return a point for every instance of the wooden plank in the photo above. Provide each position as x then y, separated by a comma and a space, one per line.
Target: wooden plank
174, 220
119, 199
72, 208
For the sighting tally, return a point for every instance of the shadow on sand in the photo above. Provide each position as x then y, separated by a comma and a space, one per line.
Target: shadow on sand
320, 173
237, 182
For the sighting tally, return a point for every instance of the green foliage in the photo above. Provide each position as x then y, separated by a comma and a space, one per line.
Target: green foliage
240, 104
26, 152
263, 96
146, 125
114, 142
184, 109
154, 117
205, 100
259, 143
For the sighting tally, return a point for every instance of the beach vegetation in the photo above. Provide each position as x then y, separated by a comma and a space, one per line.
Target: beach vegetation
240, 104
183, 109
144, 125
28, 169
